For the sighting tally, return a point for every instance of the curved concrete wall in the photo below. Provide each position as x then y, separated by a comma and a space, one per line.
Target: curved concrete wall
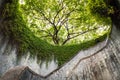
101, 62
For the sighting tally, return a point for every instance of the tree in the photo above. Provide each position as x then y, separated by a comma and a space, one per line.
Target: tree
59, 20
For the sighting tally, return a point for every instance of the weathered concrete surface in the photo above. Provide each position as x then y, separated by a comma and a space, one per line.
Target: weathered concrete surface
21, 73
62, 72
105, 65
9, 59
101, 62
13, 74
96, 63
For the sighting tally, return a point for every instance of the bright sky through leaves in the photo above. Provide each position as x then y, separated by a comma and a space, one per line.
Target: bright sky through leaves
21, 1
62, 21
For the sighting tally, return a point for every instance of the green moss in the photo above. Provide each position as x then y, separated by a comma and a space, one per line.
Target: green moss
65, 53
15, 27
101, 10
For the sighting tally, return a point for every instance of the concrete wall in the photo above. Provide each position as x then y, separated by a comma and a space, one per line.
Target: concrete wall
101, 62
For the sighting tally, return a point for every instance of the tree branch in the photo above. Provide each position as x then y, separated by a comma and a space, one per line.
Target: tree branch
45, 36
66, 17
57, 14
78, 34
49, 33
46, 18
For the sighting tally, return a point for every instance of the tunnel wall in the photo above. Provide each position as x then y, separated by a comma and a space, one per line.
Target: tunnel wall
101, 62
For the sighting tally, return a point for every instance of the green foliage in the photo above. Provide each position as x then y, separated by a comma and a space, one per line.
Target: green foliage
16, 27
67, 52
101, 10
46, 17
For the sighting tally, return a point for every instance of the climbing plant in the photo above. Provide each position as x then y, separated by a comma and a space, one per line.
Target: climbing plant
100, 9
25, 26
62, 21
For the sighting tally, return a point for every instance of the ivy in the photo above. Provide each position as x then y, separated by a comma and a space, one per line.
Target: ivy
15, 26
101, 10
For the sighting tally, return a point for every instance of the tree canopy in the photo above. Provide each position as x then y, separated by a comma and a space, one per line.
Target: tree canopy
19, 24
62, 21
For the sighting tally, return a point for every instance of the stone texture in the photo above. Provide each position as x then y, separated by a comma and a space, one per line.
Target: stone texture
101, 62
14, 73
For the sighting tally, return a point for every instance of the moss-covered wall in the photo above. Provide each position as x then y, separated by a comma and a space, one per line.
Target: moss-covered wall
13, 26
105, 9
